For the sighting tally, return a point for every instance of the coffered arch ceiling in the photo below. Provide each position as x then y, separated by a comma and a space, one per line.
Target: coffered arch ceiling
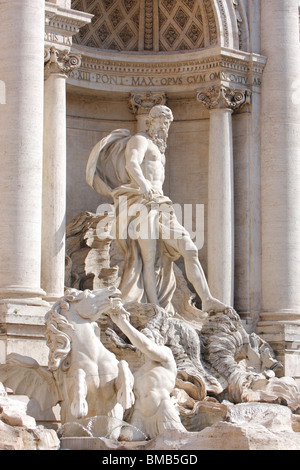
161, 25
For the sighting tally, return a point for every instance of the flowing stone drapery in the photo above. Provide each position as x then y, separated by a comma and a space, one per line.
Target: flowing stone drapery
21, 136
221, 101
58, 64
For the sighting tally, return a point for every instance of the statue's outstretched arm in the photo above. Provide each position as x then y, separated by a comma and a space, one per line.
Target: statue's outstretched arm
139, 340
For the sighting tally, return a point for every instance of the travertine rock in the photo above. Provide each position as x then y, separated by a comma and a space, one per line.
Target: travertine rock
88, 257
251, 426
19, 431
214, 353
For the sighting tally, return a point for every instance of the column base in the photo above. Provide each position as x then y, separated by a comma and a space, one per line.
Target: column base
22, 295
247, 321
284, 338
285, 315
52, 297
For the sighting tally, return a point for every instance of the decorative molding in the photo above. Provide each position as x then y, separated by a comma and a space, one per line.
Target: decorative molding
61, 24
212, 26
239, 21
219, 97
114, 26
141, 103
164, 25
224, 23
148, 29
181, 25
61, 62
188, 72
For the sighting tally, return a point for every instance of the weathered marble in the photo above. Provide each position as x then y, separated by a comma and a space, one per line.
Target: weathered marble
57, 67
251, 426
21, 138
131, 170
19, 431
90, 381
220, 355
240, 163
280, 162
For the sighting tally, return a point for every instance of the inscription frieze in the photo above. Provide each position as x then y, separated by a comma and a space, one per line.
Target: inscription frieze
231, 68
141, 81
51, 37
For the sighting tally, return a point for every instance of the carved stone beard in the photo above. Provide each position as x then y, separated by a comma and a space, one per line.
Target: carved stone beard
159, 138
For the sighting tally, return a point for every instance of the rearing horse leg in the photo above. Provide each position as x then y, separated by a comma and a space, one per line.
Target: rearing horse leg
79, 406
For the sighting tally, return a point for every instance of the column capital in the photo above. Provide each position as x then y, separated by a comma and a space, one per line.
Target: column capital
223, 97
62, 62
141, 103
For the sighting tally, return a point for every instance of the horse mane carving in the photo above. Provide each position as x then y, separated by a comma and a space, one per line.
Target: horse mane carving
59, 329
57, 338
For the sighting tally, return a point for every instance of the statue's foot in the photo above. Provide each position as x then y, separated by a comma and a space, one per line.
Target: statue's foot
213, 305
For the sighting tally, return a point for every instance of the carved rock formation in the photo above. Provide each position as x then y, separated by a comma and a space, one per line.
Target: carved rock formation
215, 356
19, 431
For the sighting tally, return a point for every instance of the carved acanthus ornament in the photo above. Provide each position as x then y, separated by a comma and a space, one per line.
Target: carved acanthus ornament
63, 62
141, 103
218, 97
239, 21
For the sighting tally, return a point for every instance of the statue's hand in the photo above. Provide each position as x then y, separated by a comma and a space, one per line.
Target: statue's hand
116, 303
118, 310
147, 190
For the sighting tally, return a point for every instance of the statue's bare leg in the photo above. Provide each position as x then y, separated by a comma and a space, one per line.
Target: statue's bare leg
193, 268
196, 276
148, 252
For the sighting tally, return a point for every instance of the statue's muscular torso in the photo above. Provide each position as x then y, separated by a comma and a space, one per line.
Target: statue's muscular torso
143, 153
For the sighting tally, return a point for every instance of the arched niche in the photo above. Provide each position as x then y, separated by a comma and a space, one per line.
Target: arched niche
161, 25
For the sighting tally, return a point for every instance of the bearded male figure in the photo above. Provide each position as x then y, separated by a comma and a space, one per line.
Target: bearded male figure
131, 169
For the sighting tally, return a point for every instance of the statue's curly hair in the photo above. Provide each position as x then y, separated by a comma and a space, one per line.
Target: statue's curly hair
58, 327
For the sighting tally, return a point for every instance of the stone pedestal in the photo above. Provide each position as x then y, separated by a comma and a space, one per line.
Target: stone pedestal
284, 338
22, 330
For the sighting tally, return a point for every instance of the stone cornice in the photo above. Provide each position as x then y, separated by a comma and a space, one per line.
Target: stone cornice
190, 71
61, 24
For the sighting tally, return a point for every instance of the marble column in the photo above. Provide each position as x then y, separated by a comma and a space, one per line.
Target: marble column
58, 65
280, 161
21, 137
221, 101
140, 104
